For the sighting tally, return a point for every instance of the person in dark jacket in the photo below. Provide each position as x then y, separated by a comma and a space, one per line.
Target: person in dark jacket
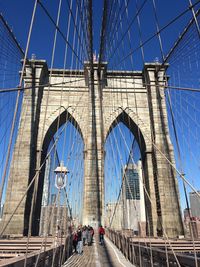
75, 241
89, 239
80, 242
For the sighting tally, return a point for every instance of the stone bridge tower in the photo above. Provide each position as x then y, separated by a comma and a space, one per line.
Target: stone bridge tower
95, 102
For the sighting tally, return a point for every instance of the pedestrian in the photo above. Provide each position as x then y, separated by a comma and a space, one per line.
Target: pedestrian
101, 235
89, 239
92, 231
75, 241
80, 242
84, 235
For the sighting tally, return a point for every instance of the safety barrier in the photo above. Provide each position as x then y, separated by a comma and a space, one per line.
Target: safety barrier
54, 254
146, 256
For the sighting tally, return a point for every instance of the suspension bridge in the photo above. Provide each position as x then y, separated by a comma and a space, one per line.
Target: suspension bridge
99, 125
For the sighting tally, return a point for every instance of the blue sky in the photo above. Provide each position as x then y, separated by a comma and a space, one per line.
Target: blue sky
69, 149
183, 71
18, 15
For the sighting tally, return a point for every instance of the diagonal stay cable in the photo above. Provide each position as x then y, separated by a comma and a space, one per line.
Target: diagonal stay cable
75, 25
162, 53
17, 102
180, 162
83, 25
112, 18
138, 11
103, 31
156, 33
28, 188
37, 86
35, 176
170, 163
195, 17
145, 189
69, 154
171, 87
181, 37
11, 34
59, 30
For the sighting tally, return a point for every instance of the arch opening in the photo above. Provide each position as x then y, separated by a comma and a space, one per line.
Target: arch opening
63, 144
125, 179
124, 118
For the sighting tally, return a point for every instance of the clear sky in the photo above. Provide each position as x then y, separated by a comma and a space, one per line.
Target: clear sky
184, 65
18, 14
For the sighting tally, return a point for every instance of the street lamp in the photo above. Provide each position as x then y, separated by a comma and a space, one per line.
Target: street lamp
61, 176
60, 183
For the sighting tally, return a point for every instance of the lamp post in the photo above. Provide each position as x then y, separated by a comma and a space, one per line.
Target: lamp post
60, 183
61, 176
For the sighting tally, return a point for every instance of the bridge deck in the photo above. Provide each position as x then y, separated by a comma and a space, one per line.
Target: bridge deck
13, 248
98, 256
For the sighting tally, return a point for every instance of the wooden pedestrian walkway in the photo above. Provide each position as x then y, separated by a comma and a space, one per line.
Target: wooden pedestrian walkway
98, 256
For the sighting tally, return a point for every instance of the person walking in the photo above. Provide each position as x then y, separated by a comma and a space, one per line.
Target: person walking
92, 231
84, 235
80, 242
101, 235
75, 241
89, 239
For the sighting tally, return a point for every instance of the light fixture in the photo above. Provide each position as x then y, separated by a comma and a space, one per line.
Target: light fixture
61, 176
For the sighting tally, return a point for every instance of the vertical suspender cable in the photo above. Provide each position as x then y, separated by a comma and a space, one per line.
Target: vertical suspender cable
17, 102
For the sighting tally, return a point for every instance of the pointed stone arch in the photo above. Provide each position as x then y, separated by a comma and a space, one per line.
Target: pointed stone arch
127, 120
159, 216
57, 121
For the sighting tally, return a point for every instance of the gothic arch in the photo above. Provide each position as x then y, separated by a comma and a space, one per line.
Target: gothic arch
128, 118
55, 124
122, 116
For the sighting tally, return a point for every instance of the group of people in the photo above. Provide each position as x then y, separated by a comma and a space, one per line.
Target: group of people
84, 236
81, 237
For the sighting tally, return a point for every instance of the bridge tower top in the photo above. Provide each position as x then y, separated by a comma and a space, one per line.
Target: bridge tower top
100, 70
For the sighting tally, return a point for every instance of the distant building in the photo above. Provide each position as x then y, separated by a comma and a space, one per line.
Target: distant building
59, 217
195, 225
133, 198
1, 210
192, 223
186, 215
195, 204
114, 216
46, 186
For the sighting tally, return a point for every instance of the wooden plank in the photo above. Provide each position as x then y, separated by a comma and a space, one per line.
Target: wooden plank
167, 246
20, 248
9, 255
155, 240
24, 245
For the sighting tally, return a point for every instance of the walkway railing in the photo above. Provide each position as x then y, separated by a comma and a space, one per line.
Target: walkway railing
147, 255
13, 253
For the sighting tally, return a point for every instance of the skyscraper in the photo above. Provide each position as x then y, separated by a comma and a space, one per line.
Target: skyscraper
195, 204
131, 182
114, 216
133, 197
45, 196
